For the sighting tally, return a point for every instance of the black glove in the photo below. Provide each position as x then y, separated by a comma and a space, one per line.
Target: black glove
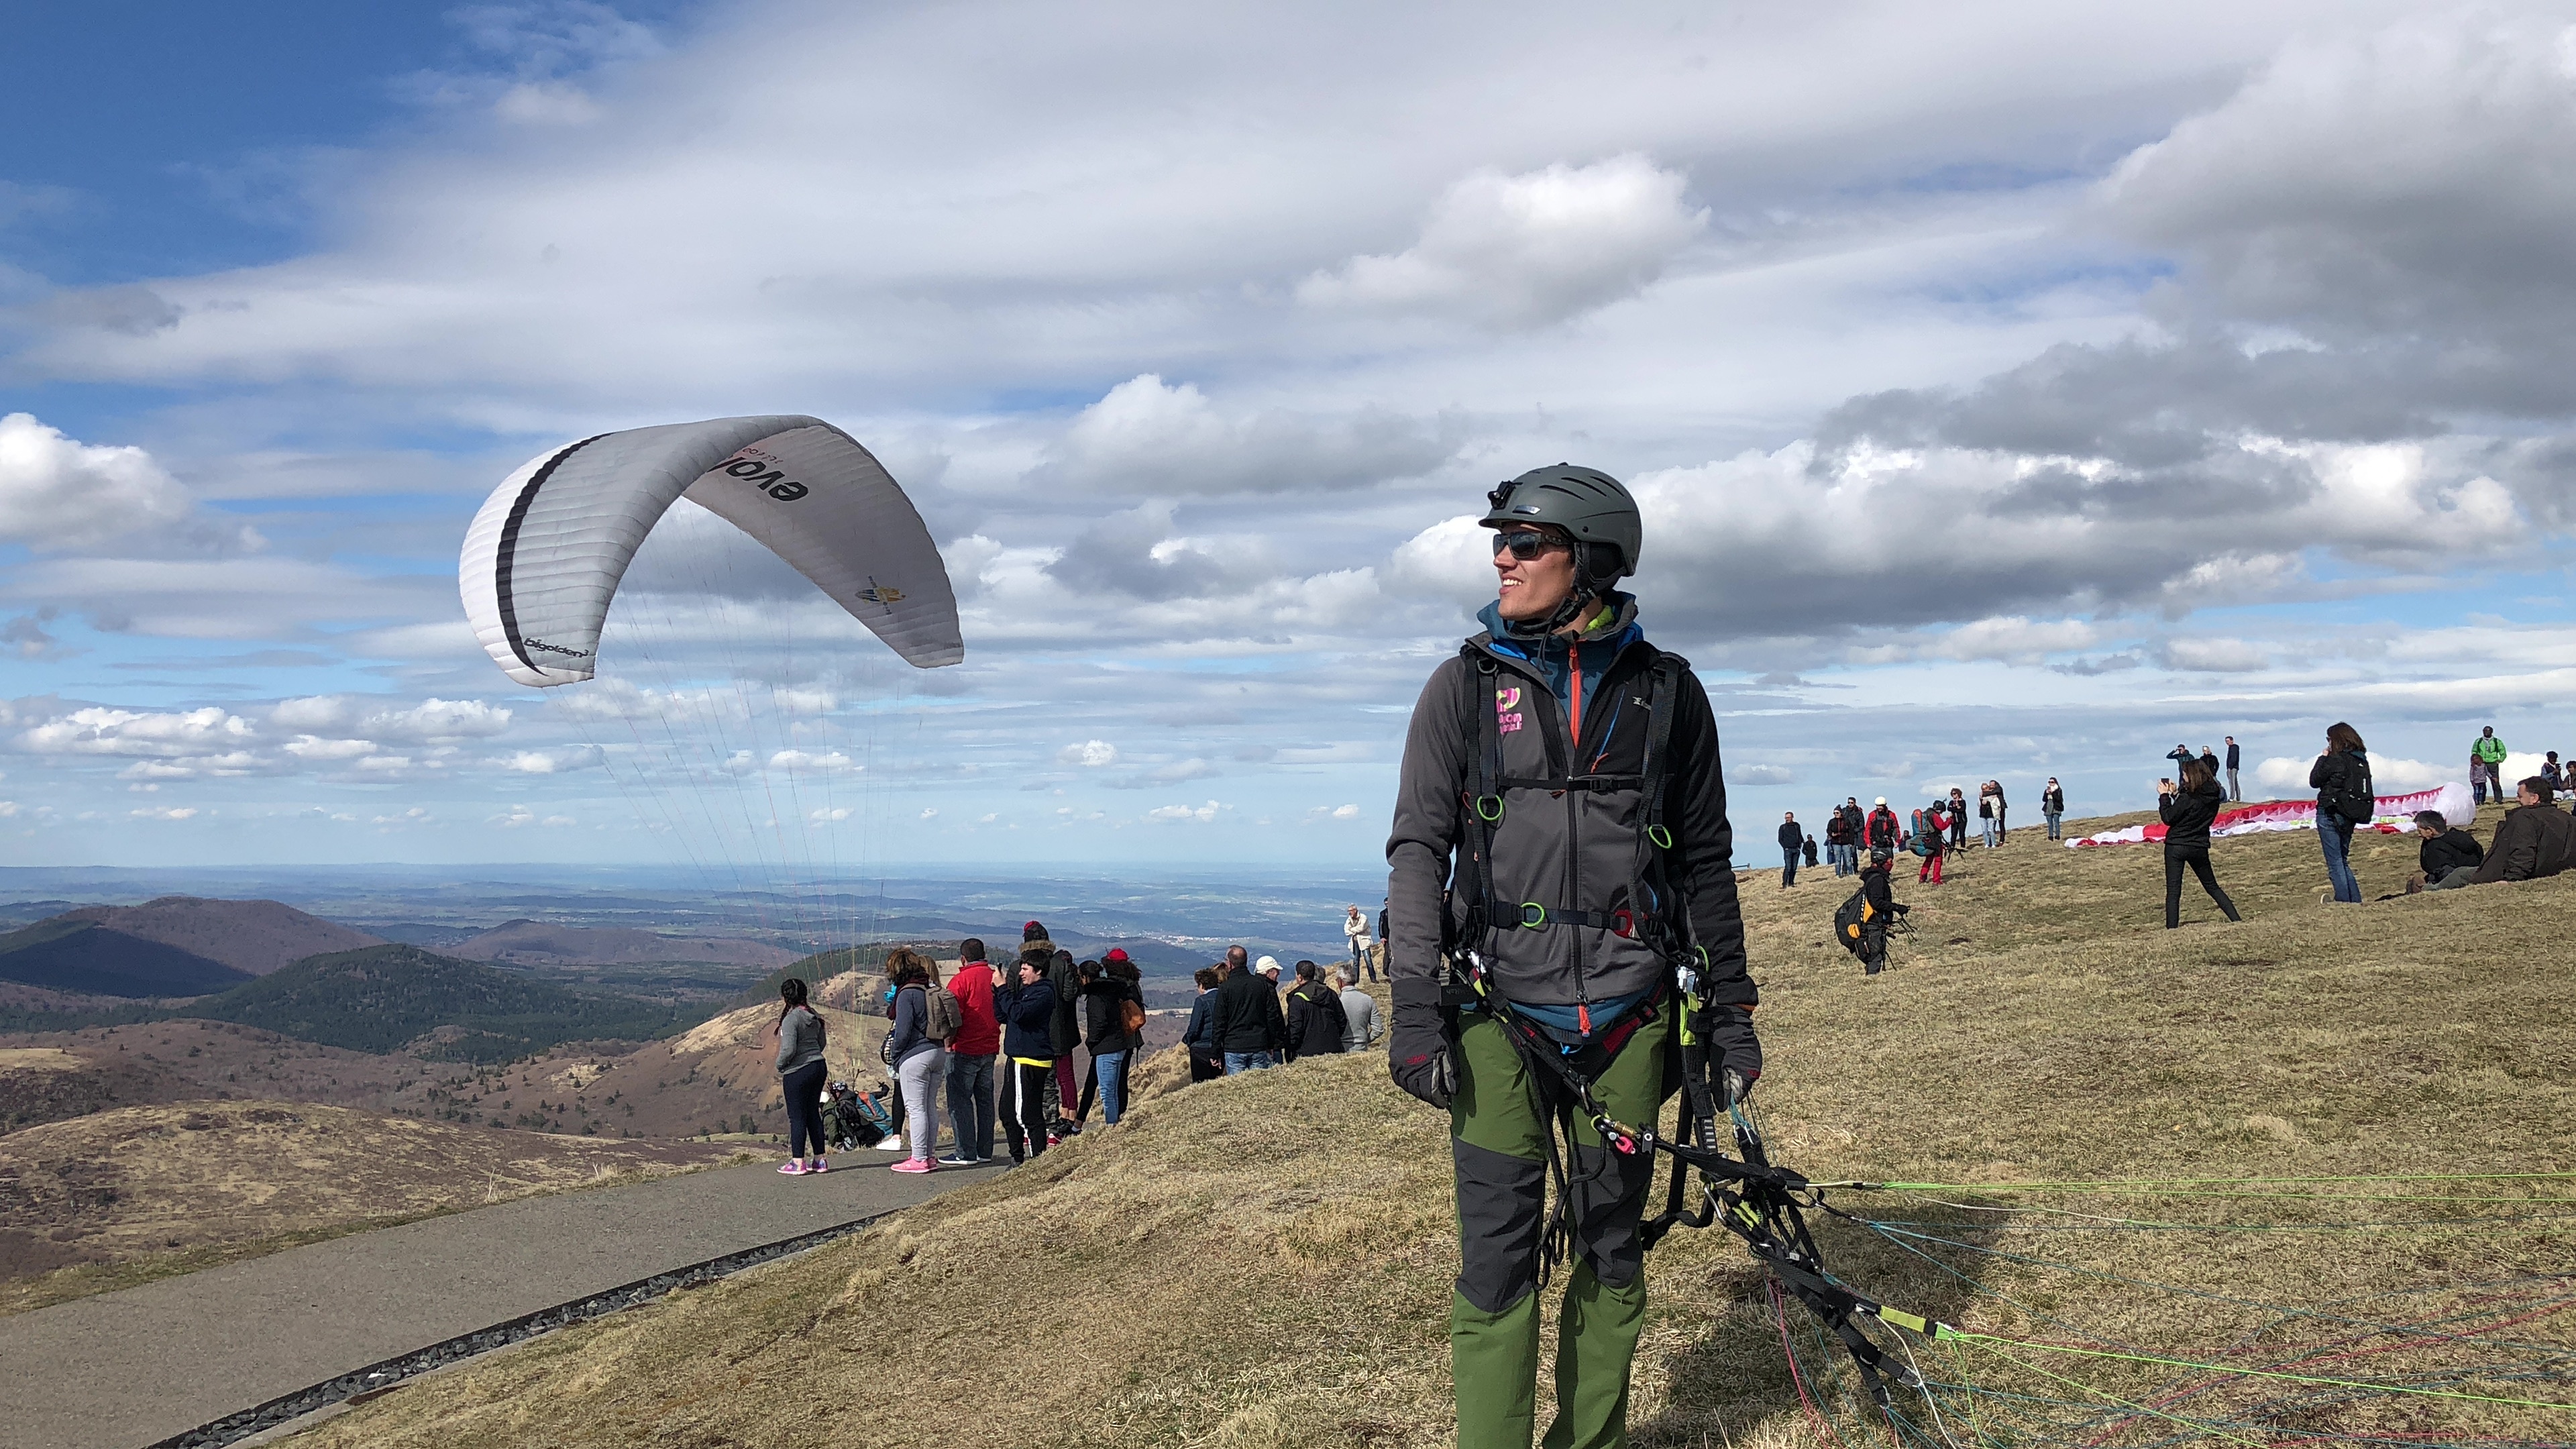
1419, 1054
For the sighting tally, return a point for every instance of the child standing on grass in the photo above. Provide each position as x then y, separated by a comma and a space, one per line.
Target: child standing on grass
800, 1078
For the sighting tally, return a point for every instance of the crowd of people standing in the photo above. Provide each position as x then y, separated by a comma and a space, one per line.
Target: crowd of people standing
999, 1043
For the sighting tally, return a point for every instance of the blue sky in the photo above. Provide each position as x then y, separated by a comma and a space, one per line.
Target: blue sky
2011, 394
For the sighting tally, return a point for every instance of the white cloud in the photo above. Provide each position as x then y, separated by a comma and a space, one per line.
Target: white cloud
2014, 639
830, 816
316, 749
1346, 812
57, 493
829, 762
547, 762
2216, 656
183, 812
1148, 437
1090, 754
1176, 814
432, 721
100, 731
1518, 251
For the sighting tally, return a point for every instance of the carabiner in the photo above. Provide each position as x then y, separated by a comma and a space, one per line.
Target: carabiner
1662, 838
1623, 923
1489, 808
1533, 915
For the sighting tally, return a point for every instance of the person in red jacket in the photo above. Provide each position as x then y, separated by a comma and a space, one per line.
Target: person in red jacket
970, 1056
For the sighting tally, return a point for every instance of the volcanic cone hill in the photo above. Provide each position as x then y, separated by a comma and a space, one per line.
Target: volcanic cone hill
382, 998
76, 953
253, 936
1266, 1260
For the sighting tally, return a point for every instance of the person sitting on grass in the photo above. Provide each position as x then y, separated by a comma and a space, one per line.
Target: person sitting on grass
2448, 857
2534, 841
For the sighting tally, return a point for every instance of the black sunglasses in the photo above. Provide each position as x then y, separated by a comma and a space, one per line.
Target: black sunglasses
1525, 543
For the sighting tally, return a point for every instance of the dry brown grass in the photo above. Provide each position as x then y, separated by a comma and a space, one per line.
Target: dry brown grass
1265, 1261
117, 1198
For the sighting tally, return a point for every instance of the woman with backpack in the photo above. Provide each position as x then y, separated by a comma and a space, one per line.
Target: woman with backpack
2341, 778
1929, 828
800, 1078
920, 1063
2187, 809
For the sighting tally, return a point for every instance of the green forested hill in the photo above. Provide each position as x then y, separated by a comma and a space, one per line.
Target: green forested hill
382, 997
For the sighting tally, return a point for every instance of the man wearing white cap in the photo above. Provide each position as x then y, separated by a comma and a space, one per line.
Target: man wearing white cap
1884, 828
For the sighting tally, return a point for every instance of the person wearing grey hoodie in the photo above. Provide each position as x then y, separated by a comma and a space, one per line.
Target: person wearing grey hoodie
918, 1058
800, 1078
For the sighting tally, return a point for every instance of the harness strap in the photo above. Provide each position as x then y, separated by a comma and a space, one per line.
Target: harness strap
1596, 784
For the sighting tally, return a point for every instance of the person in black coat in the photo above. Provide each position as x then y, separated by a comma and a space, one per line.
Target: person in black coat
1880, 892
1026, 1008
1246, 1021
2345, 798
2187, 810
1316, 1021
1792, 840
2444, 851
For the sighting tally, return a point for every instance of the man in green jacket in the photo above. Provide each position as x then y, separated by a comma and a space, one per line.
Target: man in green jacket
2486, 759
1561, 790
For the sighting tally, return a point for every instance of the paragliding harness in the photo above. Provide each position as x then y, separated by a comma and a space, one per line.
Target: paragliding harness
1855, 915
1754, 1200
1744, 1193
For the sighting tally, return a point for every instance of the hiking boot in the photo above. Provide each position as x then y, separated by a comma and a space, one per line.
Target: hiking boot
793, 1169
913, 1164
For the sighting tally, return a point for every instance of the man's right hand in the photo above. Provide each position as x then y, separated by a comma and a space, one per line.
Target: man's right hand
1418, 1051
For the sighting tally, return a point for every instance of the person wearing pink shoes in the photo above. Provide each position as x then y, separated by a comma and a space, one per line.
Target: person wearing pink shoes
800, 1078
919, 1058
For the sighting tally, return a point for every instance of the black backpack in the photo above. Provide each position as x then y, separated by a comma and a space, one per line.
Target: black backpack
2353, 799
1848, 918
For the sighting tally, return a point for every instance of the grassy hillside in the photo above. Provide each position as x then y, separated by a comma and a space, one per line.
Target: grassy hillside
118, 1197
75, 953
385, 997
1266, 1261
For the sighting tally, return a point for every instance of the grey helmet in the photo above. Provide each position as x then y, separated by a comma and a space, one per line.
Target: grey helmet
1590, 505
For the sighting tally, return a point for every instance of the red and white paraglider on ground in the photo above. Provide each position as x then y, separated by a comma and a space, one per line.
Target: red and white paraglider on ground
2390, 815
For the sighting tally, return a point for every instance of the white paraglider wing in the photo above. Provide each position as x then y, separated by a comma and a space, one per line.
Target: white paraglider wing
545, 554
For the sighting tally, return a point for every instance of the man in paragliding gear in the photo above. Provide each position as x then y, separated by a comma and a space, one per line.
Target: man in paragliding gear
1561, 782
1879, 910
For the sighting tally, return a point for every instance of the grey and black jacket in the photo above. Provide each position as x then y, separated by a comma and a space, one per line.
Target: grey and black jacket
1571, 838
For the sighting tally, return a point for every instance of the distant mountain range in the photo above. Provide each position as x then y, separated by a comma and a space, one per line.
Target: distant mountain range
536, 943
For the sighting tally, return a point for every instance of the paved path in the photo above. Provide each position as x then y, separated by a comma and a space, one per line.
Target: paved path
126, 1369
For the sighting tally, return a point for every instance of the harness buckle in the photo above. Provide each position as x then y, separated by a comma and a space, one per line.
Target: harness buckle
1623, 924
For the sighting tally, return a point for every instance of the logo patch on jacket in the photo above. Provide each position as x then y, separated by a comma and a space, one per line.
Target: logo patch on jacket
1507, 717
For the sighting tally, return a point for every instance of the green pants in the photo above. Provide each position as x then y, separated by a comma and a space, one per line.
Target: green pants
1497, 1139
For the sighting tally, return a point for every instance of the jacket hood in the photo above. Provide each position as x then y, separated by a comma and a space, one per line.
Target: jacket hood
1619, 616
